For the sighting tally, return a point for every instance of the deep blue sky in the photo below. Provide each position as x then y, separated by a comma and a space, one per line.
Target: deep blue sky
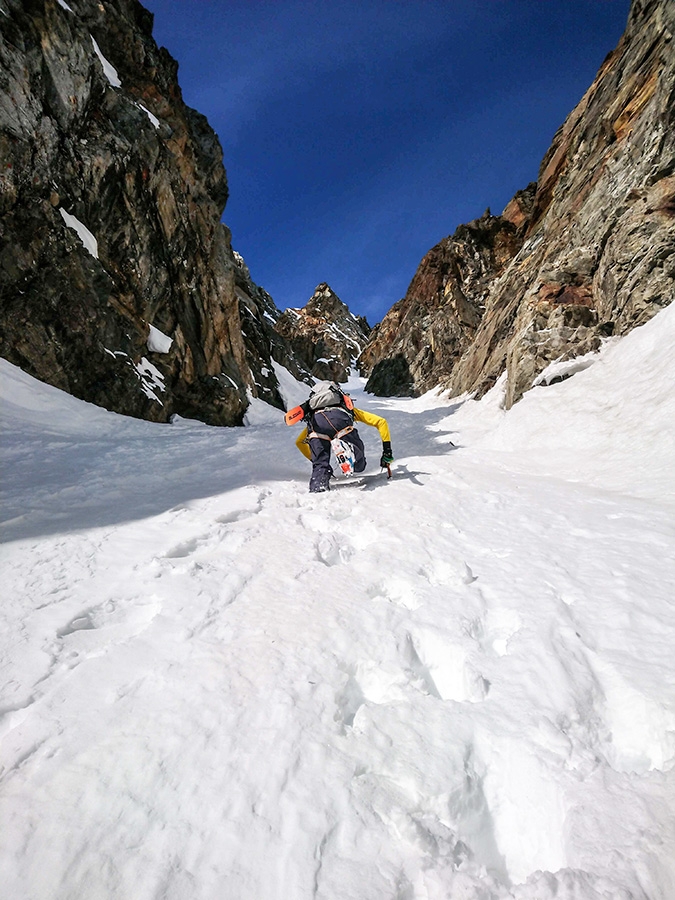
356, 135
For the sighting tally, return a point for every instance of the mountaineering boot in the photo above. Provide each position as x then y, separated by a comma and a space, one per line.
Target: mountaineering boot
320, 481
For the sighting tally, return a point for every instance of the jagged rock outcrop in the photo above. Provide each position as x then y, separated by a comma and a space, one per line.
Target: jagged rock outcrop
424, 335
598, 255
117, 280
324, 335
264, 345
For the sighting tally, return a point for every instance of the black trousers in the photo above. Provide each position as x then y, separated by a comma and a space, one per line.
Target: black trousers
330, 421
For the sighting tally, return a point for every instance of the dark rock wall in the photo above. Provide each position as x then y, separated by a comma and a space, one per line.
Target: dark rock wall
325, 337
592, 252
143, 173
264, 345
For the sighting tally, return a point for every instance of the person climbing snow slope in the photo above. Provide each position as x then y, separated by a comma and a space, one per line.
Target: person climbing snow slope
329, 413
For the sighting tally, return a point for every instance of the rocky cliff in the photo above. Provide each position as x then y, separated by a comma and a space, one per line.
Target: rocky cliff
423, 336
324, 335
589, 252
264, 345
117, 280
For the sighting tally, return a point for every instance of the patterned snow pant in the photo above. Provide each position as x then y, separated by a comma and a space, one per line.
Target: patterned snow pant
329, 422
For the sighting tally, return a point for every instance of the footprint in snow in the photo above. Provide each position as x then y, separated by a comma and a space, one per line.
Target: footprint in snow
83, 622
442, 669
395, 590
110, 620
442, 572
371, 682
468, 577
348, 701
499, 626
180, 551
244, 511
332, 549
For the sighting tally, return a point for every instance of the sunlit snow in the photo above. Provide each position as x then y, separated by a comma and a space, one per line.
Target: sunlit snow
89, 241
563, 368
459, 683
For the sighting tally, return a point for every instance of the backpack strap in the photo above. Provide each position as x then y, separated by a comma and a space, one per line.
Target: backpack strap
338, 432
325, 437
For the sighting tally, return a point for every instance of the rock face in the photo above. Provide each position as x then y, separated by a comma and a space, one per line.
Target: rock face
264, 345
425, 333
117, 280
589, 253
324, 335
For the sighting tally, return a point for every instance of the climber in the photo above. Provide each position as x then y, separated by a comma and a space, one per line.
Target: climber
329, 413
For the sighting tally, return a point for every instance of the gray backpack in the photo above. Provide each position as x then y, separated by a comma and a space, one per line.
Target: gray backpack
324, 394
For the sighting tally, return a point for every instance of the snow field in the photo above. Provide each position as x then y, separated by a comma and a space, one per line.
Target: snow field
455, 684
614, 427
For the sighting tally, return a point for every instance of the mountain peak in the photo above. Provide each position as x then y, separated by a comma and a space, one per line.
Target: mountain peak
325, 300
324, 334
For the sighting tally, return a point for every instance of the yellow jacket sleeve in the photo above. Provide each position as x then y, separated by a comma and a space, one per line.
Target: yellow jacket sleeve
376, 421
301, 444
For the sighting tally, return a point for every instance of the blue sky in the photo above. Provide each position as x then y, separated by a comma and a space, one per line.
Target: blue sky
357, 135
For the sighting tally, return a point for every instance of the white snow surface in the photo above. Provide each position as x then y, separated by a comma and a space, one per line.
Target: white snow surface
459, 683
109, 70
563, 368
612, 425
88, 240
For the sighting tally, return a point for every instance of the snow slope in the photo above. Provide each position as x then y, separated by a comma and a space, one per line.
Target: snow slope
458, 684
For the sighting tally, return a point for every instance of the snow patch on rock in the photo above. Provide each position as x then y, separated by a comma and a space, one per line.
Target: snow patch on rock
109, 70
153, 119
88, 240
158, 342
151, 379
